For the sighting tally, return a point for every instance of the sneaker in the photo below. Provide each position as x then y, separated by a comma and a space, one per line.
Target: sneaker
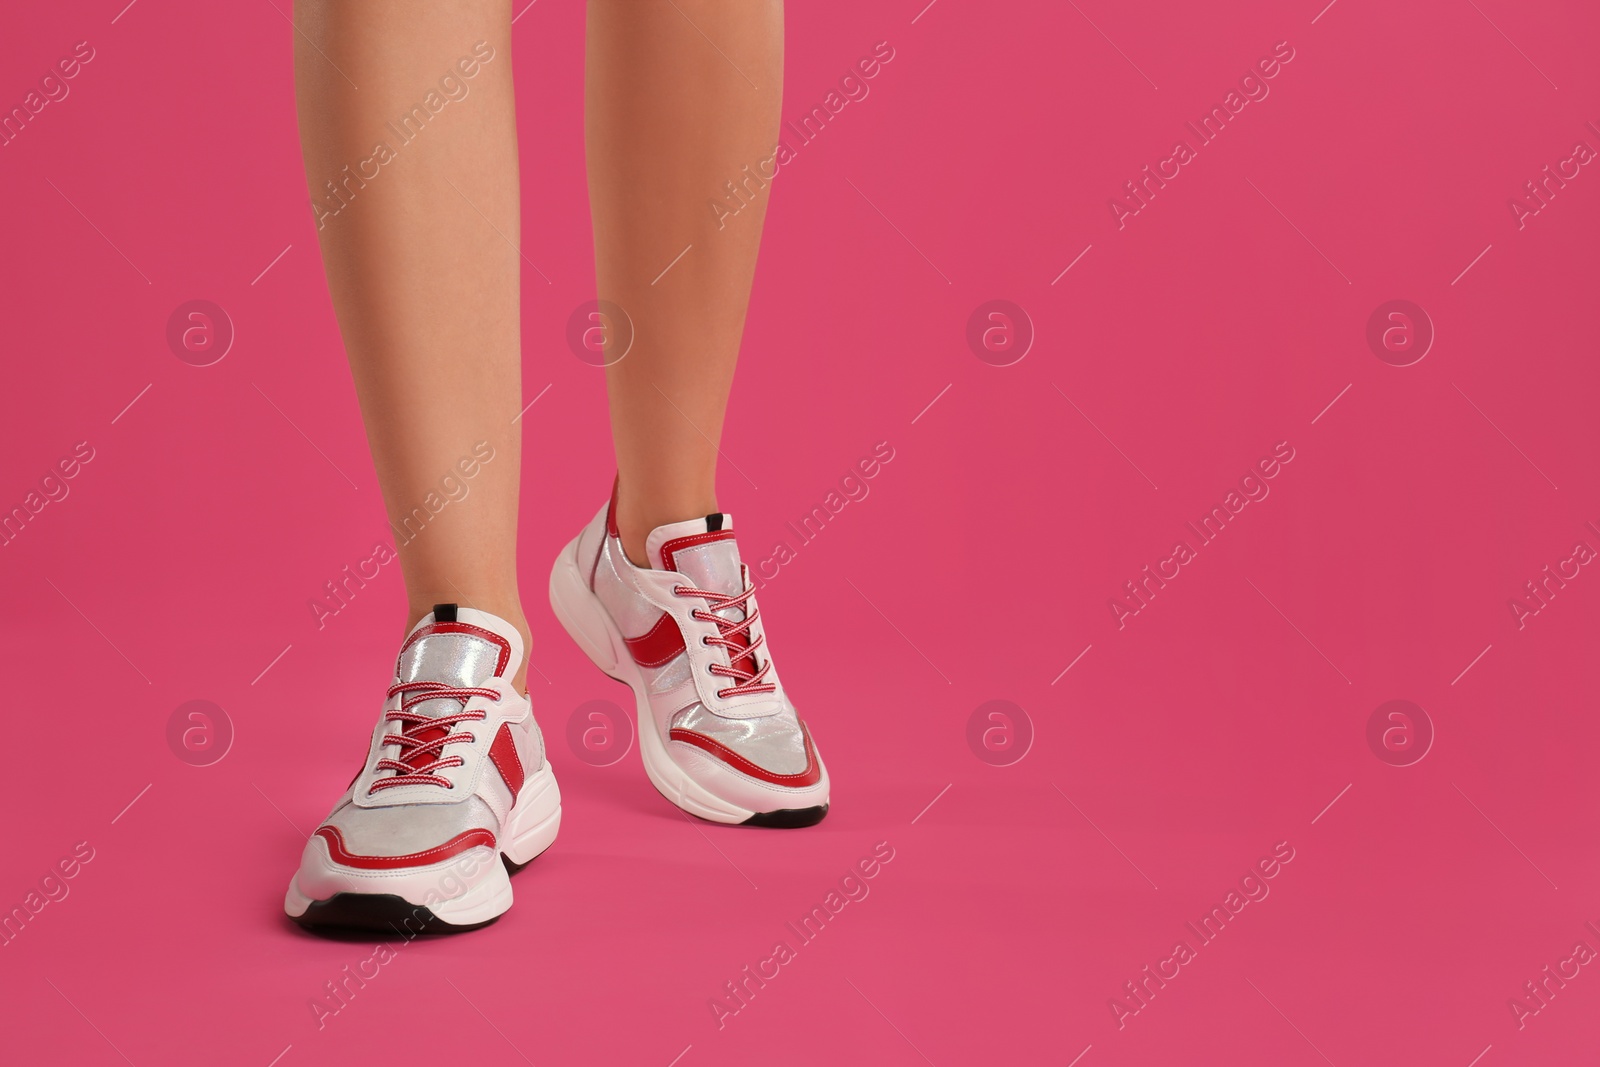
717, 733
455, 793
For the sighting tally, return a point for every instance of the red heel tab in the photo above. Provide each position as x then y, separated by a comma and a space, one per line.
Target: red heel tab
611, 509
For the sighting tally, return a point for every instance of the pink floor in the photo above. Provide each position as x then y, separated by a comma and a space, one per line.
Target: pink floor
1169, 755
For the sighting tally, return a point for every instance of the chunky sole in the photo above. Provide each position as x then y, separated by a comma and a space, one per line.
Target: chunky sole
378, 912
590, 626
530, 829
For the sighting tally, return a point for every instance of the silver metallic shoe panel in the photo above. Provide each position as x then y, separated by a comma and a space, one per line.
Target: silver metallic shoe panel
406, 829
629, 609
456, 659
772, 742
714, 566
665, 679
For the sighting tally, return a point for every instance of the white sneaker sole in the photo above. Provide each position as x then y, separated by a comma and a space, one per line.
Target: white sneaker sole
451, 896
589, 624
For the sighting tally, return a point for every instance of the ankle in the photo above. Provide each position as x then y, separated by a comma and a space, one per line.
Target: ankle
636, 518
633, 545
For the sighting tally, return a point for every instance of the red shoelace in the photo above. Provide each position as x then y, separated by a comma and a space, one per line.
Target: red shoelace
423, 738
735, 637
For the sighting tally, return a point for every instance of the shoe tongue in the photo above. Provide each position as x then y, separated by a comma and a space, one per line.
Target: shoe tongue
702, 550
460, 647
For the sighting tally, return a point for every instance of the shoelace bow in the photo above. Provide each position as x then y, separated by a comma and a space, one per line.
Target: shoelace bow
425, 736
735, 637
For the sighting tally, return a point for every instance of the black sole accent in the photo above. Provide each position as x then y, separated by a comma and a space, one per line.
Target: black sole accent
788, 818
384, 912
348, 915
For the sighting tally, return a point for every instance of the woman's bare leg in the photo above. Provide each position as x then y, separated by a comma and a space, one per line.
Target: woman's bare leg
419, 245
682, 96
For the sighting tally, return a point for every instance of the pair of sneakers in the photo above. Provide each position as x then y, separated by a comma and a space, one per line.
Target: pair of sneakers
457, 792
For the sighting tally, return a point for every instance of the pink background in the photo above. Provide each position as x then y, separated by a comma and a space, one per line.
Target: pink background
1223, 719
